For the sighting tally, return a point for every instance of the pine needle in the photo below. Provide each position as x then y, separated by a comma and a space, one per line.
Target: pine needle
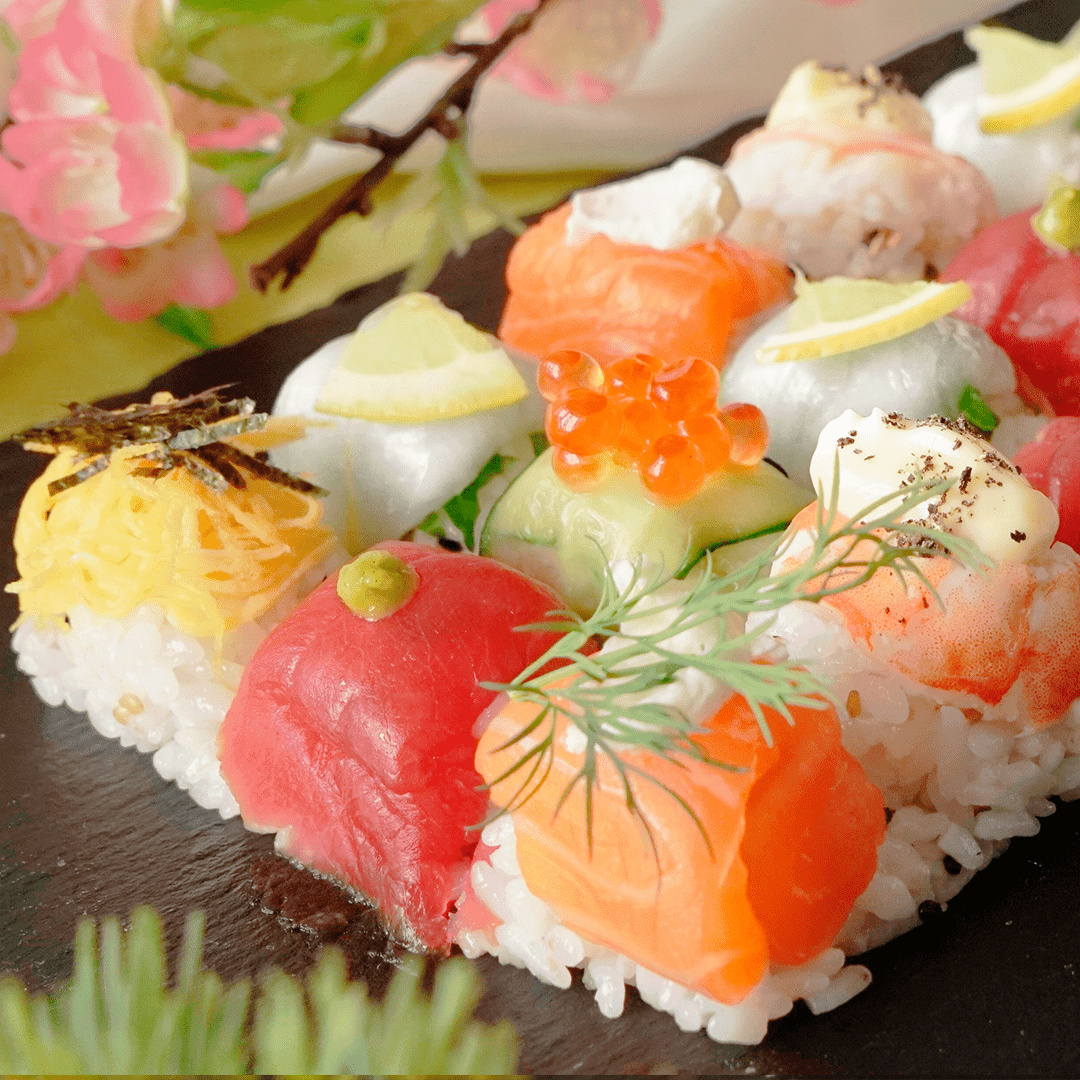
118, 1014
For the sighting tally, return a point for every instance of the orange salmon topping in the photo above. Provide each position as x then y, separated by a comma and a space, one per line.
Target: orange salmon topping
613, 299
792, 835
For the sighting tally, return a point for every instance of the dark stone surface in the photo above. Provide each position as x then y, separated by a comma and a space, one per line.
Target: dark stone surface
989, 987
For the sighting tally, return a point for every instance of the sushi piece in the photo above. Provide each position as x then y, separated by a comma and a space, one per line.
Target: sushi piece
153, 556
642, 265
1020, 163
643, 466
938, 366
352, 732
404, 414
960, 683
1024, 274
720, 894
843, 179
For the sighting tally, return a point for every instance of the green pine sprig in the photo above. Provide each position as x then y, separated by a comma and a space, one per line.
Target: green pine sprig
119, 1014
599, 698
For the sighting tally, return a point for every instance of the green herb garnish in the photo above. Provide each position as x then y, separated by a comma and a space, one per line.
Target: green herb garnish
598, 699
976, 411
118, 1014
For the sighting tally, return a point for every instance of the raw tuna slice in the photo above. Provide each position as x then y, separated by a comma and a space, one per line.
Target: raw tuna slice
353, 739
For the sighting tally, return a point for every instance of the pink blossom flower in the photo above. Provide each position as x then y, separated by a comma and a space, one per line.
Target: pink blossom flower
582, 50
206, 125
189, 268
33, 272
29, 19
101, 164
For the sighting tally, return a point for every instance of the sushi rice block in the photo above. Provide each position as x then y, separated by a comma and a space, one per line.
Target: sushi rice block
844, 179
153, 558
1020, 163
961, 689
352, 736
720, 897
386, 470
641, 265
933, 369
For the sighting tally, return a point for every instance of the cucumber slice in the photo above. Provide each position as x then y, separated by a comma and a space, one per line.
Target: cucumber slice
565, 538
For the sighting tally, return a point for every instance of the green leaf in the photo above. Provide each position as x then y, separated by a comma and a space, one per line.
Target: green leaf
244, 169
977, 412
432, 525
539, 442
409, 28
464, 509
191, 324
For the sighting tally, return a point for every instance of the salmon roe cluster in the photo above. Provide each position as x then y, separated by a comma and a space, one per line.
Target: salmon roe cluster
636, 412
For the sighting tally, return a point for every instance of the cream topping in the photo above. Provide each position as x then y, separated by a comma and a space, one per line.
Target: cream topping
871, 100
685, 203
990, 503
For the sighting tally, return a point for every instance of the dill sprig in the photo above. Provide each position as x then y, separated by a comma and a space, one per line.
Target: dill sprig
118, 1014
604, 694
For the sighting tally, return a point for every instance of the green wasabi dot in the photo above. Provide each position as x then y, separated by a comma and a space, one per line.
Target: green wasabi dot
376, 584
1058, 221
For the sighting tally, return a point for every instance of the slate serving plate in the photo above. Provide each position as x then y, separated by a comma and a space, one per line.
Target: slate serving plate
991, 987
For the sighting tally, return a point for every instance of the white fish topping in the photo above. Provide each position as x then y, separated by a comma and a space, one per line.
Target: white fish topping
685, 203
990, 503
814, 91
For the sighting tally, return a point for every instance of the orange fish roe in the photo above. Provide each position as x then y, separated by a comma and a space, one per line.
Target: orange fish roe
637, 412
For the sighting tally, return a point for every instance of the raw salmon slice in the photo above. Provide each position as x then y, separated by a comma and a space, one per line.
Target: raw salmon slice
785, 840
609, 298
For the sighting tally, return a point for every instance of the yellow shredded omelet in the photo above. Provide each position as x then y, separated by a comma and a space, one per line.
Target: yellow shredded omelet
213, 560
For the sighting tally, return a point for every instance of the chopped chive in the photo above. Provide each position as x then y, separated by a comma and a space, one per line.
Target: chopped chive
973, 408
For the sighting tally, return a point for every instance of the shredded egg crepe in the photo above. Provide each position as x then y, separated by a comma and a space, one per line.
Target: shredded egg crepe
212, 560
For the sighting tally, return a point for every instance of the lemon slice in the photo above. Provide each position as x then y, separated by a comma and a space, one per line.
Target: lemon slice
414, 360
839, 314
1026, 81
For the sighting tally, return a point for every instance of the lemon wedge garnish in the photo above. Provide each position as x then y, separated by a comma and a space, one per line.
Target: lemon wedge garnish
414, 360
840, 314
1026, 81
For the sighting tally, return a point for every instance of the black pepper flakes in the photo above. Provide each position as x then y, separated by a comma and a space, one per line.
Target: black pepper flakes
1017, 536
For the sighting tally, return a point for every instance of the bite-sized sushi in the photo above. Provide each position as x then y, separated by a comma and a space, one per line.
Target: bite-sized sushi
352, 733
720, 895
153, 556
1024, 274
642, 265
960, 683
843, 179
643, 465
1022, 162
942, 367
405, 414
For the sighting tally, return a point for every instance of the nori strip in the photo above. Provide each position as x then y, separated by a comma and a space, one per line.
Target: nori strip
187, 433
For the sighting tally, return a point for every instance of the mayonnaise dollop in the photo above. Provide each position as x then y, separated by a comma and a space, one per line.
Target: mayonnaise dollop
685, 203
990, 503
815, 91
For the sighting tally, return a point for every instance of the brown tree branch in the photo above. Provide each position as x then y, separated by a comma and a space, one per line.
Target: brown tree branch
443, 117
